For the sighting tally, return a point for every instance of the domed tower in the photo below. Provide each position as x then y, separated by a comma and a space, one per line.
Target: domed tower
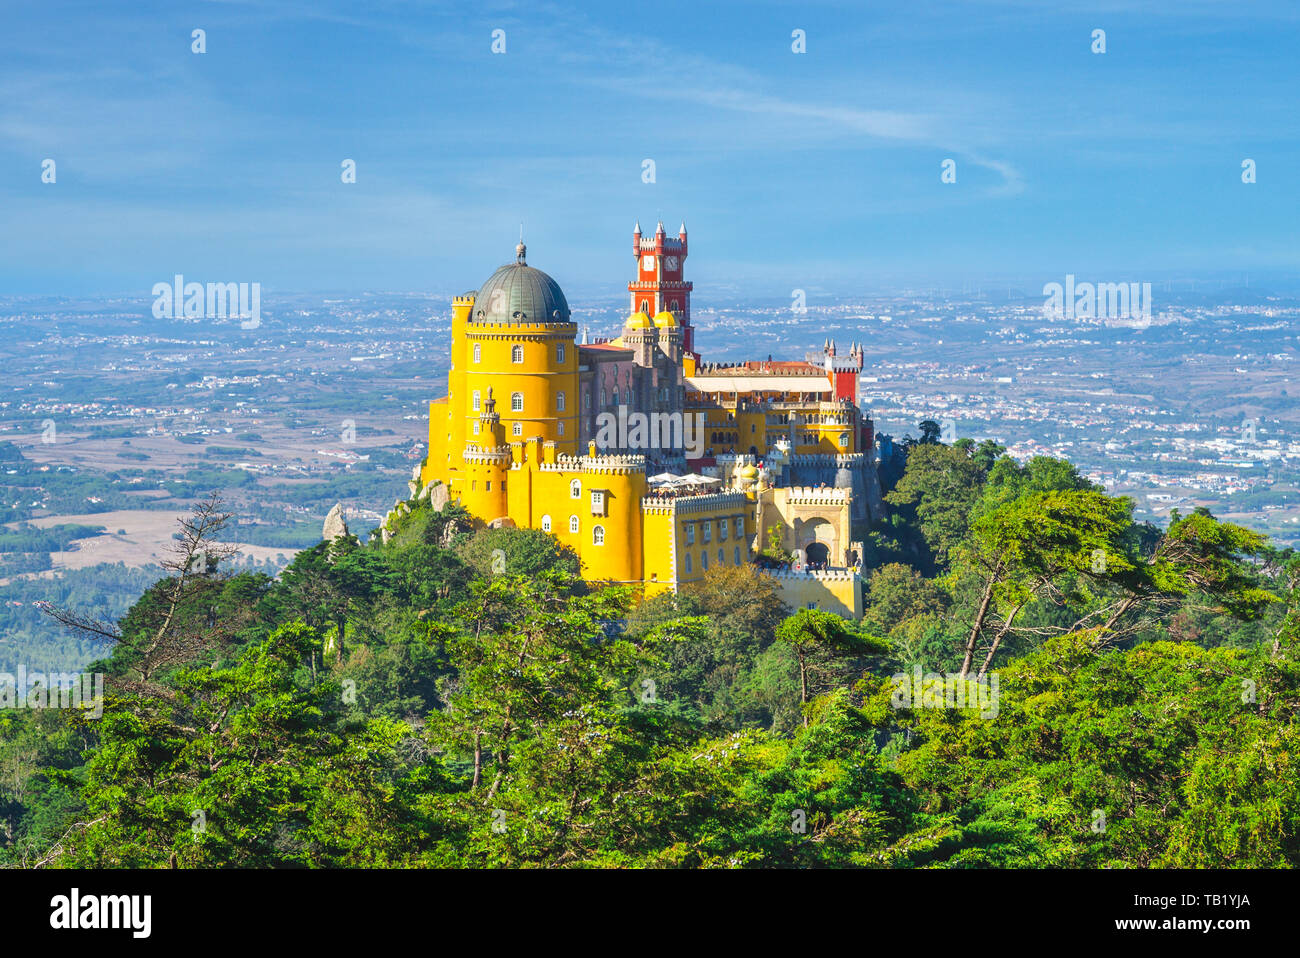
640, 336
519, 343
670, 335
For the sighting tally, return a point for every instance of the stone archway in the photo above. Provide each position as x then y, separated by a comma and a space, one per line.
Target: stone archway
816, 537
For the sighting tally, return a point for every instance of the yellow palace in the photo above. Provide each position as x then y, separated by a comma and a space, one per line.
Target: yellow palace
652, 465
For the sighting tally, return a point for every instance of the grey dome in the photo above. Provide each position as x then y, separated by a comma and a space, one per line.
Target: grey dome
518, 293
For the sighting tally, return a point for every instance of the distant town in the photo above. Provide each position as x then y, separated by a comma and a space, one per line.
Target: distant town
113, 416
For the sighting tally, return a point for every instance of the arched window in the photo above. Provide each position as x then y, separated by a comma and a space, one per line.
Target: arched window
672, 308
517, 429
559, 402
687, 561
546, 523
627, 397
722, 557
704, 561
478, 401
516, 354
736, 553
573, 525
478, 352
598, 535
559, 353
575, 489
561, 427
516, 402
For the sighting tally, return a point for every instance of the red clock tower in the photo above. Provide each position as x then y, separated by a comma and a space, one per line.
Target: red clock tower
659, 285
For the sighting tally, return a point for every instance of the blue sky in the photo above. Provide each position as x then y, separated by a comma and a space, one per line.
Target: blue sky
818, 170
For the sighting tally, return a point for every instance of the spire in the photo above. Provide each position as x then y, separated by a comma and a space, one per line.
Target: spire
660, 227
637, 229
584, 335
682, 230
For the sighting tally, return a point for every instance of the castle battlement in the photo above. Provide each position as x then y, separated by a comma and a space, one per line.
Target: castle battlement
706, 502
531, 327
596, 465
821, 575
825, 459
490, 455
818, 496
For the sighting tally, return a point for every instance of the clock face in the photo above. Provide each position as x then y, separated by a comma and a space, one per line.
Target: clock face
670, 262
648, 263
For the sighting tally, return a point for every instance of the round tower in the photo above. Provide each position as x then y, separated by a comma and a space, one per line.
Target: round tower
518, 343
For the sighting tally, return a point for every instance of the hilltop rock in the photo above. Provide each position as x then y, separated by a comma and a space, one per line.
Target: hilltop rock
334, 524
438, 496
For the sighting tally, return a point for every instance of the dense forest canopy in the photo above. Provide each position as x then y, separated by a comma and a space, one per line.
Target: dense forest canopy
410, 703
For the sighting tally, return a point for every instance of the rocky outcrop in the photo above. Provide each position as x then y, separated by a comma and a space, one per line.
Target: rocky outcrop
334, 525
438, 496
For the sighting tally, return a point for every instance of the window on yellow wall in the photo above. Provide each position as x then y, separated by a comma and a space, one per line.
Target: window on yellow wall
704, 561
546, 523
561, 430
516, 402
722, 557
559, 401
575, 489
574, 526
559, 353
598, 536
708, 531
722, 530
478, 352
736, 553
517, 429
516, 354
476, 425
478, 401
686, 562
690, 533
